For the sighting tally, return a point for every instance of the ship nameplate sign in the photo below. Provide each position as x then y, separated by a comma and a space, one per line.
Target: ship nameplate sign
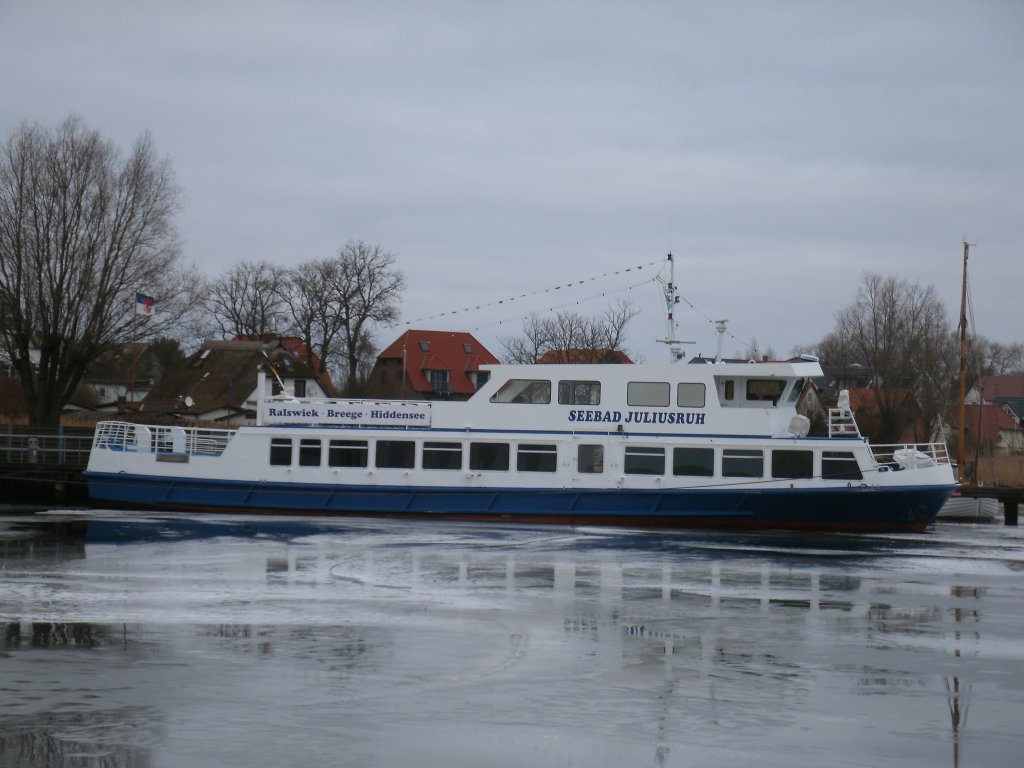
348, 413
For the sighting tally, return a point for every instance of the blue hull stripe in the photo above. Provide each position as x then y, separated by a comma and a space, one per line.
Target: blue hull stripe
907, 508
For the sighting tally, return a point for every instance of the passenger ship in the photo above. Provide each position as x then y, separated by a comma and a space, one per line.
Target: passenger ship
696, 445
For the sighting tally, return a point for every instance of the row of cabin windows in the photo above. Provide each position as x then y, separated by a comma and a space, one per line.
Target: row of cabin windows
741, 462
638, 393
401, 454
543, 457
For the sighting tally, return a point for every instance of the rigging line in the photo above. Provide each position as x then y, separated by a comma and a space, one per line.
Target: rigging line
567, 304
703, 314
496, 302
697, 309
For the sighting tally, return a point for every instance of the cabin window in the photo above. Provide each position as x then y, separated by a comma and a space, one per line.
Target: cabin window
792, 464
533, 457
523, 391
442, 455
693, 462
590, 459
840, 465
765, 389
742, 462
347, 453
730, 390
489, 456
281, 451
300, 387
651, 393
579, 392
396, 454
645, 461
798, 388
309, 452
689, 395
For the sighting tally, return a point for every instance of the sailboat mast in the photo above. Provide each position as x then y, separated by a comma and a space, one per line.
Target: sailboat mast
963, 370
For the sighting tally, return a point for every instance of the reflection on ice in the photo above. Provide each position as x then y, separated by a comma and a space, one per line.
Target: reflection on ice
291, 642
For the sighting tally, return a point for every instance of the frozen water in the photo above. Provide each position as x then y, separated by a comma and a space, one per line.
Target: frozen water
134, 640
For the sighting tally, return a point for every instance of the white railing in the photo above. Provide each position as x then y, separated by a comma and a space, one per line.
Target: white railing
140, 438
908, 455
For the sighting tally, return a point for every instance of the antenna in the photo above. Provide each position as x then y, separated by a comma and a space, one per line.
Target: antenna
720, 327
671, 299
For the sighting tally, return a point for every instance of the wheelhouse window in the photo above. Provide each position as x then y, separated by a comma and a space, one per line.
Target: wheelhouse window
742, 462
798, 389
590, 459
534, 457
579, 392
347, 453
645, 461
281, 451
765, 389
690, 395
442, 455
650, 393
309, 452
693, 462
396, 454
792, 464
489, 456
536, 391
840, 465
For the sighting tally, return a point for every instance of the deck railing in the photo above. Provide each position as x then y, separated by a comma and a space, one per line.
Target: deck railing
900, 455
190, 441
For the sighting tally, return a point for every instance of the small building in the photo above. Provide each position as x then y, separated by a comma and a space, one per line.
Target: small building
431, 365
990, 389
218, 382
998, 431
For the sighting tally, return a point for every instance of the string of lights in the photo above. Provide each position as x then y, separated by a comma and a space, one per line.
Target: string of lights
561, 290
520, 297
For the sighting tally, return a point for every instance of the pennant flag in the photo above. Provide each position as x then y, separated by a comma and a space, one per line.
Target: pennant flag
144, 305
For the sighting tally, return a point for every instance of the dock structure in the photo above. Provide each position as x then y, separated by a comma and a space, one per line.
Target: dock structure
45, 466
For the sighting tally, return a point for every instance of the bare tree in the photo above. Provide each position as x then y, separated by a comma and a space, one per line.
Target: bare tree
248, 300
314, 310
900, 332
366, 289
999, 359
82, 230
593, 336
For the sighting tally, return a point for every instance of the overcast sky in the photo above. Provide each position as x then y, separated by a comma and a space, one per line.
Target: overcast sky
779, 149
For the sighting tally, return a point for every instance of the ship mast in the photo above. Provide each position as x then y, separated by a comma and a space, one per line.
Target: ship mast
675, 350
963, 370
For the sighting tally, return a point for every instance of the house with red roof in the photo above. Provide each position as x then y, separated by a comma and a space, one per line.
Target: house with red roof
991, 389
431, 365
997, 429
